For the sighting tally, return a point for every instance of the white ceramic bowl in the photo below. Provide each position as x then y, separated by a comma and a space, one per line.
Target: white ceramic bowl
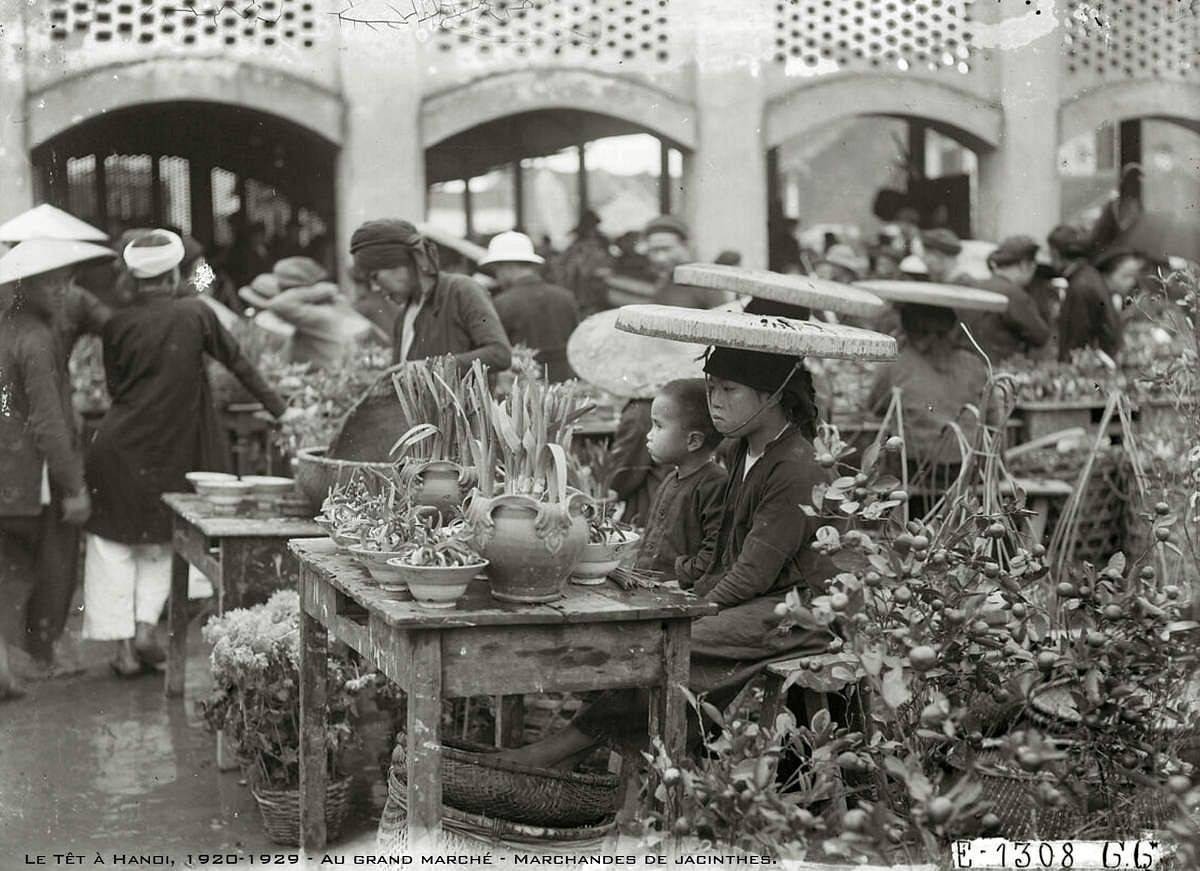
437, 587
598, 561
266, 486
224, 492
198, 479
378, 567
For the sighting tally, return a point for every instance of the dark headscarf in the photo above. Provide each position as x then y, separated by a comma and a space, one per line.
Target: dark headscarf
770, 308
769, 373
927, 328
389, 243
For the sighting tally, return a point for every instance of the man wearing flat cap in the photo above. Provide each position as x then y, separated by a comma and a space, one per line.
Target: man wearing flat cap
583, 266
1020, 329
940, 249
666, 241
440, 313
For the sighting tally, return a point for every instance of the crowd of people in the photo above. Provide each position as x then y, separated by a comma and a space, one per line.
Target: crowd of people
716, 519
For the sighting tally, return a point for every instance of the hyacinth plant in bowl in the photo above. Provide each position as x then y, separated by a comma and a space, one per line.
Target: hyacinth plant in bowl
433, 456
255, 700
438, 561
610, 543
525, 519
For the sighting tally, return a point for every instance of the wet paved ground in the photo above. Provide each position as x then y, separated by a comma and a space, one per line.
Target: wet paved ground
93, 763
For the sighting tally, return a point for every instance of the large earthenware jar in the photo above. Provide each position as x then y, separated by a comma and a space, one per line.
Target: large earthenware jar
439, 484
531, 545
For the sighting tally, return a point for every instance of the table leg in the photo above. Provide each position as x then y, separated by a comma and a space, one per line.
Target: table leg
668, 706
424, 757
510, 721
177, 627
314, 661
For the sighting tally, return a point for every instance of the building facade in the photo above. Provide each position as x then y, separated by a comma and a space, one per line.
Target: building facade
353, 107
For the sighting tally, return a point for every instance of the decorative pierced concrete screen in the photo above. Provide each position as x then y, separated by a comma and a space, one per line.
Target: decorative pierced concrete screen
1134, 39
205, 23
610, 30
829, 35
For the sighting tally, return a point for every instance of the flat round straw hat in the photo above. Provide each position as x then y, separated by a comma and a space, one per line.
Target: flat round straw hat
47, 222
799, 290
943, 295
756, 332
628, 365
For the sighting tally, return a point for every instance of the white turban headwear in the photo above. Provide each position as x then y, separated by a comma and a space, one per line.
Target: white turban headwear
153, 254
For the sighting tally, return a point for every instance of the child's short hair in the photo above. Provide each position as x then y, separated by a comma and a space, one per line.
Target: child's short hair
690, 396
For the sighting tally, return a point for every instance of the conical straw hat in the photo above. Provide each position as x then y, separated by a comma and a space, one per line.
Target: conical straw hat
628, 365
36, 256
799, 290
756, 332
47, 222
943, 295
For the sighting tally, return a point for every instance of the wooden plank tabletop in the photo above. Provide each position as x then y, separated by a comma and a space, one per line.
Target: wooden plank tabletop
200, 513
477, 607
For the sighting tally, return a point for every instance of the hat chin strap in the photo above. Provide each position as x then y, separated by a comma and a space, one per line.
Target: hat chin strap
770, 400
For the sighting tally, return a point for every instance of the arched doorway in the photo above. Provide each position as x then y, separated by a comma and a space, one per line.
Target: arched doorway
540, 169
219, 172
854, 173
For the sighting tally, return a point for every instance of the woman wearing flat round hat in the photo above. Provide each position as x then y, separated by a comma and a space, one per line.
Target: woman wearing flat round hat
440, 313
42, 491
759, 394
161, 426
937, 377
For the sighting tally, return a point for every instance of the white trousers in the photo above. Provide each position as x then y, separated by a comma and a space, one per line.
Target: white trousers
123, 585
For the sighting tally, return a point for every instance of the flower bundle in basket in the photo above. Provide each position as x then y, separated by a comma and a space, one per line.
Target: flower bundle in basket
256, 701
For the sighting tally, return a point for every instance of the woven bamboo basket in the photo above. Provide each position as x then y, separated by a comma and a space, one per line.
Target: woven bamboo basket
1112, 809
464, 831
475, 782
280, 811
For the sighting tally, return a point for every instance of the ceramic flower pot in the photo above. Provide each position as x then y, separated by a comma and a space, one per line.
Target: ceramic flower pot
437, 587
599, 559
531, 546
440, 484
376, 563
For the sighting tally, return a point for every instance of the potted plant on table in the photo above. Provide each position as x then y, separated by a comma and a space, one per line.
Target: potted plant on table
431, 454
256, 701
529, 526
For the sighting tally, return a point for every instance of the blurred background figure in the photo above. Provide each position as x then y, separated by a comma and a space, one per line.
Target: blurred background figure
533, 312
581, 268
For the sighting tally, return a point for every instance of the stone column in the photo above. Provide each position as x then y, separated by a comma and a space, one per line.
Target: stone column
381, 167
1019, 185
16, 174
726, 179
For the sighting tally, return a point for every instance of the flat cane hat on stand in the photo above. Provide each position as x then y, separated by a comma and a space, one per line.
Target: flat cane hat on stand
939, 295
627, 365
795, 291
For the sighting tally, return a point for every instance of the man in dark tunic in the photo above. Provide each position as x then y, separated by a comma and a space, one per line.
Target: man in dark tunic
1020, 329
582, 267
534, 313
162, 425
42, 491
1088, 318
666, 239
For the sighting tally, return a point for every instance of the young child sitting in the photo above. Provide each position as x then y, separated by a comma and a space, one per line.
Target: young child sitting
686, 511
761, 551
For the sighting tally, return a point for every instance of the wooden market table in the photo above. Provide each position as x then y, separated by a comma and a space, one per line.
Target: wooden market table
594, 638
245, 556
